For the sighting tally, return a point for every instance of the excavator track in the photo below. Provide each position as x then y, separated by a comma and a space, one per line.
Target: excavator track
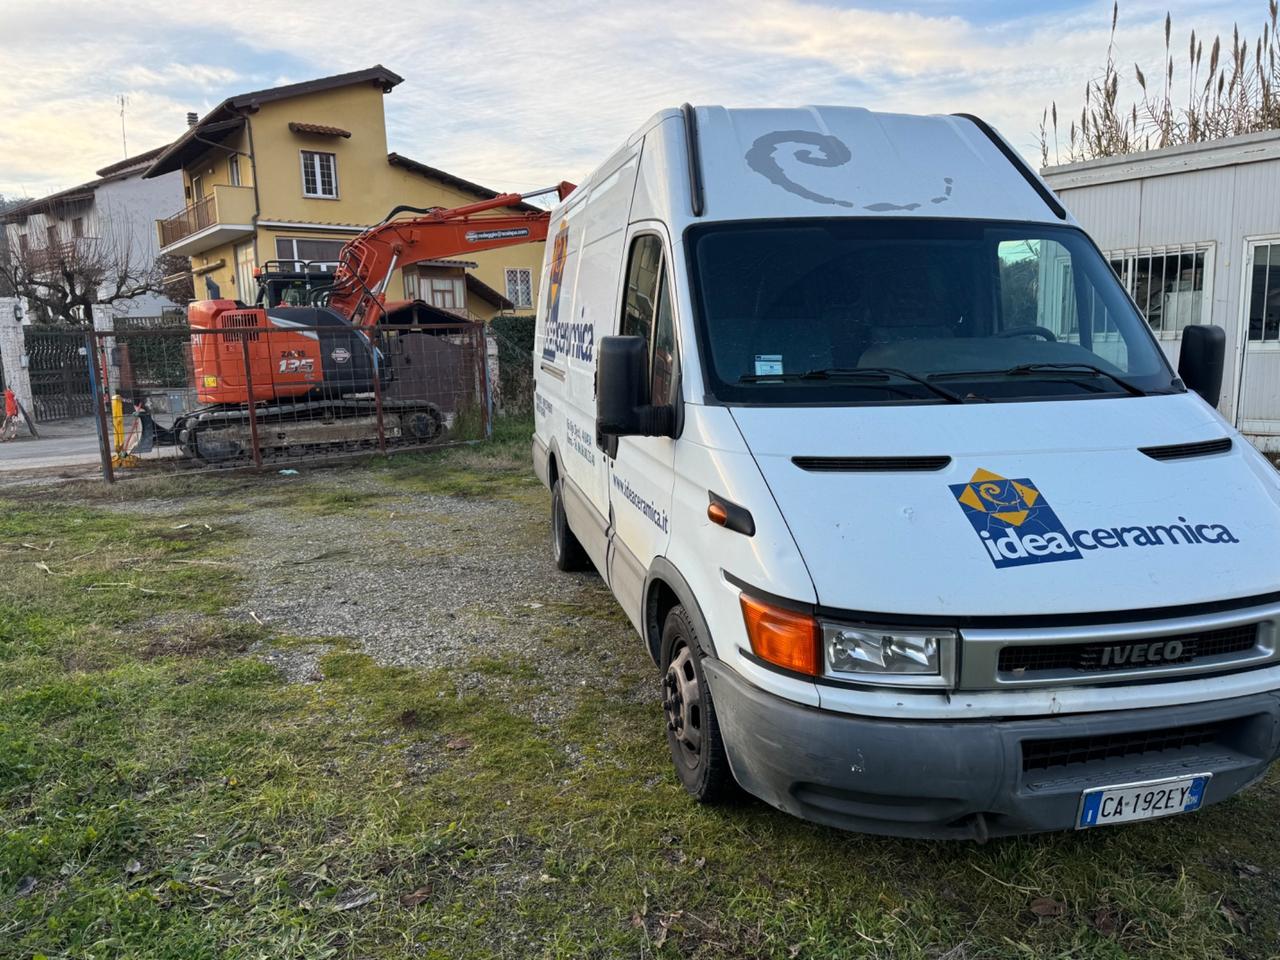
223, 436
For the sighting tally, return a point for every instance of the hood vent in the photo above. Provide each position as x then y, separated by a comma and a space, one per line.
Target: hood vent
1184, 451
871, 464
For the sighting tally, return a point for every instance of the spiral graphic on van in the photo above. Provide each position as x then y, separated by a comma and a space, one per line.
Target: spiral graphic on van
834, 153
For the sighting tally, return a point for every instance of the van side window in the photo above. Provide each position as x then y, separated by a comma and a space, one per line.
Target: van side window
647, 313
664, 346
642, 286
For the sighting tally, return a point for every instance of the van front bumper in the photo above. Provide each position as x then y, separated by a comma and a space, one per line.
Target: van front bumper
974, 779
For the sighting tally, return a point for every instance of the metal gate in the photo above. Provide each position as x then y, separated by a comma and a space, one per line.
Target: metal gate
58, 363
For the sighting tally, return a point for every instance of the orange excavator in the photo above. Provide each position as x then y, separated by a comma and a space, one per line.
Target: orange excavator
315, 374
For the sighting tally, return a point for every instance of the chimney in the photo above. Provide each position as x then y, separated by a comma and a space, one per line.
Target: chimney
192, 118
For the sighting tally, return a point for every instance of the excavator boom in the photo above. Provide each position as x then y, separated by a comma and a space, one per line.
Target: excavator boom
367, 262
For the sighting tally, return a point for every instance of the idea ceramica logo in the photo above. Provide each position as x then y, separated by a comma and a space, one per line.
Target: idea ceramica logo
1017, 526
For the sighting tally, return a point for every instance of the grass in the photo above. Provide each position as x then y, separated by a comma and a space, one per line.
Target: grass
165, 794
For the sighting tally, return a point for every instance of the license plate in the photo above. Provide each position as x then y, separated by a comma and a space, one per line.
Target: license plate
1127, 802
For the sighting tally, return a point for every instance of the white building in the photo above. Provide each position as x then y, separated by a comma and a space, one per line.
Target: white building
117, 211
1194, 234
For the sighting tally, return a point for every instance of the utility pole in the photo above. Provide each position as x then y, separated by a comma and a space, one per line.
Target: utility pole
124, 142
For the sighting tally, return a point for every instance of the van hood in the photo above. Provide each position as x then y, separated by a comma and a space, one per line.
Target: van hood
1041, 508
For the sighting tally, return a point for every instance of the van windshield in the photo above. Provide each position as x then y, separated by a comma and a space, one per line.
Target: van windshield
914, 311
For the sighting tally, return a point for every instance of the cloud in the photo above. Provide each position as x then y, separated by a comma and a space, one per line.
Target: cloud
514, 94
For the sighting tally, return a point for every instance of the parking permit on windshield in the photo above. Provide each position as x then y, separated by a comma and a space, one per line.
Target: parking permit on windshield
768, 364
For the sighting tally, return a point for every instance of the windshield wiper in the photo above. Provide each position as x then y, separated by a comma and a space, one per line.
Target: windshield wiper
1028, 369
880, 373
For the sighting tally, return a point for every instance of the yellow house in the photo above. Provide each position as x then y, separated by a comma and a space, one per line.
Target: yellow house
292, 173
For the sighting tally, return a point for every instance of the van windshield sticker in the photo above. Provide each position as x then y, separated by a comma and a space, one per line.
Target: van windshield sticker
831, 152
1017, 526
768, 364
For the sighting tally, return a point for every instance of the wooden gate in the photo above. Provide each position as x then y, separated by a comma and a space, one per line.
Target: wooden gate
58, 364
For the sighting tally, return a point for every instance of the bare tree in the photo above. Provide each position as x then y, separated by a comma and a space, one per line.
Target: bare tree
65, 281
175, 278
1238, 93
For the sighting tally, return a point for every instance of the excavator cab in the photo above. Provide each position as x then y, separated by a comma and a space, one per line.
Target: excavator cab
293, 283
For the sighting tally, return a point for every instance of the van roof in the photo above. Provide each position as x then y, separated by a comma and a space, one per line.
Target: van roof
824, 161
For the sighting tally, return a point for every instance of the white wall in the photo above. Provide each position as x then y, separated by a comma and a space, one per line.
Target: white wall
1221, 205
122, 213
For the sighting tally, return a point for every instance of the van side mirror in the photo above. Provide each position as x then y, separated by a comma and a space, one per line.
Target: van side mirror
623, 407
1200, 365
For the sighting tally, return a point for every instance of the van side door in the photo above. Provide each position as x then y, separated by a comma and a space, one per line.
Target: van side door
641, 474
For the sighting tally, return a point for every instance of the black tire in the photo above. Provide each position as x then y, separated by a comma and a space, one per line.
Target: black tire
693, 732
565, 548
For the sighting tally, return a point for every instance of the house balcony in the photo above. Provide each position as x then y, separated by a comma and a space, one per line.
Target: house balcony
221, 216
75, 253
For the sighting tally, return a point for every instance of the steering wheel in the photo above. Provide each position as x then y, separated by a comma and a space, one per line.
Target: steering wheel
1030, 331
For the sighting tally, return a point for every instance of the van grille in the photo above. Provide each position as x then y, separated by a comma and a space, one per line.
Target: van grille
1047, 754
1088, 657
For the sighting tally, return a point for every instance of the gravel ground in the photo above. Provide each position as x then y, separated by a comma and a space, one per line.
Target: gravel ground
461, 583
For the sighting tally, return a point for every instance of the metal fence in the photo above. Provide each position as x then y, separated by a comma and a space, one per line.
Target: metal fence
58, 365
271, 397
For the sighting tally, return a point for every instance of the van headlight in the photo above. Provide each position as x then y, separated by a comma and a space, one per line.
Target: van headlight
889, 656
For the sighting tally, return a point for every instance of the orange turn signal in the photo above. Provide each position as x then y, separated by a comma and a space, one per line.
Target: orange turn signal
717, 514
785, 638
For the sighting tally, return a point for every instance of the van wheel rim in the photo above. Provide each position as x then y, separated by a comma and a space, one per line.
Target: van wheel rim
682, 705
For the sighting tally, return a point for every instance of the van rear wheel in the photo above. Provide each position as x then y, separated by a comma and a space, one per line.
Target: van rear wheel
693, 732
565, 548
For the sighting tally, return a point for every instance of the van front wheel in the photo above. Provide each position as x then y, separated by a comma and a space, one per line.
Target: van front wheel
565, 548
693, 733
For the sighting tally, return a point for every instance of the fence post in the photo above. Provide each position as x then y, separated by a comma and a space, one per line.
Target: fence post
91, 359
253, 405
377, 388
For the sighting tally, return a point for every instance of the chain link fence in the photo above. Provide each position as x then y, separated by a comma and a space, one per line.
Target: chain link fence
179, 399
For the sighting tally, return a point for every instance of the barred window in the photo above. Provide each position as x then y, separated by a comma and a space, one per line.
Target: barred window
1170, 285
319, 175
520, 287
1264, 293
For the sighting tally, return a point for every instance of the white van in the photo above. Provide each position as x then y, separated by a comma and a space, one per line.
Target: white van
922, 529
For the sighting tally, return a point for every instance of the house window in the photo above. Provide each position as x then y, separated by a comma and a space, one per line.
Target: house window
23, 243
77, 227
319, 175
1170, 285
443, 287
520, 287
233, 170
320, 254
51, 235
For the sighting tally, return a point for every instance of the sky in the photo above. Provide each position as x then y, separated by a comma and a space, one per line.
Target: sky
516, 94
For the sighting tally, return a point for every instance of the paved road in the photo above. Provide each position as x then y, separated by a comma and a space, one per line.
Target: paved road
65, 443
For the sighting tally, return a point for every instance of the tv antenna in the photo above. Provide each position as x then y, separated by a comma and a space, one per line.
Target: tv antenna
124, 141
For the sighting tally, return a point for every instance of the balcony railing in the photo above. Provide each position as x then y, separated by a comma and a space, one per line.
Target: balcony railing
53, 256
228, 209
203, 213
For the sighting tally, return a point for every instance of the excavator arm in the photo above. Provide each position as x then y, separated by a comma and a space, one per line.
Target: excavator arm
366, 263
